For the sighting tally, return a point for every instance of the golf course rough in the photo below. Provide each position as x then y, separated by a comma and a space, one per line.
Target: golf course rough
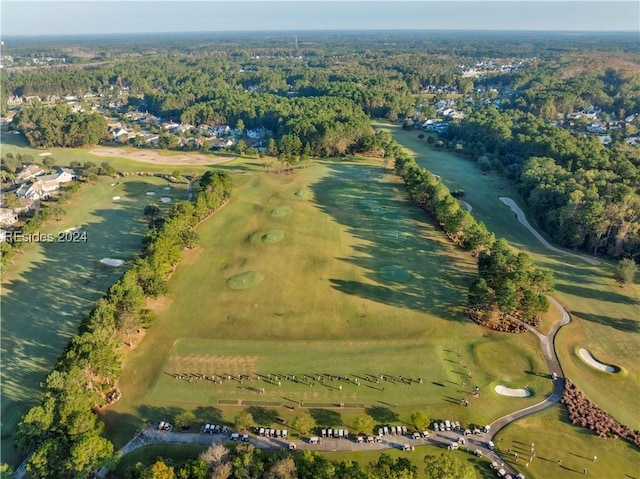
245, 280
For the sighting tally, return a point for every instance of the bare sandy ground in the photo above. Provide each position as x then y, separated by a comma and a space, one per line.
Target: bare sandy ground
523, 219
516, 393
591, 361
153, 157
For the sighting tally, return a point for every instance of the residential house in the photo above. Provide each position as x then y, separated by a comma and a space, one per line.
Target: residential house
218, 143
14, 101
28, 172
8, 217
46, 184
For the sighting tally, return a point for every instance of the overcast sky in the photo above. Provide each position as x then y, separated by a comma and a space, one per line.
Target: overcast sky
26, 17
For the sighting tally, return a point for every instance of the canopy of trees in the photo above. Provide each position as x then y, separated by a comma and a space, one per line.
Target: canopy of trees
59, 126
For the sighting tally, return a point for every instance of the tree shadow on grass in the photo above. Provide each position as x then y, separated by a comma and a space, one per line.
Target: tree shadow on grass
263, 416
382, 414
626, 325
481, 468
326, 417
583, 292
394, 236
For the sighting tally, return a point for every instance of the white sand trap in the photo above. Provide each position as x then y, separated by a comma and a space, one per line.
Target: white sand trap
72, 229
167, 188
48, 153
591, 361
165, 199
516, 393
112, 261
523, 219
114, 184
151, 193
467, 206
116, 198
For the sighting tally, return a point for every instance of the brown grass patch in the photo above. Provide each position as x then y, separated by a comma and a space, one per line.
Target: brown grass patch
151, 156
211, 364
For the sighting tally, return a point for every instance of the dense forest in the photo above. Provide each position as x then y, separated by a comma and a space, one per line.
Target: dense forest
316, 97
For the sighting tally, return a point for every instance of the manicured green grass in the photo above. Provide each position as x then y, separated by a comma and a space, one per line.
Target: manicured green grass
51, 287
554, 438
323, 308
606, 318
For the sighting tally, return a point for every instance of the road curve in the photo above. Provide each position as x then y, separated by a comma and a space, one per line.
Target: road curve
523, 219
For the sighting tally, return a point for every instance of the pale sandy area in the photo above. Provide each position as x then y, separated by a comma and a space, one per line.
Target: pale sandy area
591, 361
151, 156
516, 393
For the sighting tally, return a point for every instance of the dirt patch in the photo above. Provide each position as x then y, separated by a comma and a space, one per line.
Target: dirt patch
153, 157
211, 364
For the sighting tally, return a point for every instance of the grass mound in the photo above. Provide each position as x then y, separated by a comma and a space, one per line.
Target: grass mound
281, 211
245, 280
394, 273
273, 236
303, 193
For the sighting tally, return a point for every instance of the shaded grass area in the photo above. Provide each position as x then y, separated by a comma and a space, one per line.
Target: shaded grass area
606, 318
322, 308
51, 287
615, 458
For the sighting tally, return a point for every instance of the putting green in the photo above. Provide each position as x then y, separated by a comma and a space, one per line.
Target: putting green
273, 236
245, 280
394, 273
281, 211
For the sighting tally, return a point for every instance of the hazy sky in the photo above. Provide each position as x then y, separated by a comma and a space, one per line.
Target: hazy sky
26, 17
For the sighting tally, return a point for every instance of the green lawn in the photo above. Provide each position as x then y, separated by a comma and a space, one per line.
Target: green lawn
606, 318
328, 304
554, 438
51, 287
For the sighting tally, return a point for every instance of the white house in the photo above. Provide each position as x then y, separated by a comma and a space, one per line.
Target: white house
44, 185
29, 171
8, 217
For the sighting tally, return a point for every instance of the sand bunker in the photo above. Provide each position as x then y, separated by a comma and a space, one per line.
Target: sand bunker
166, 199
114, 184
303, 193
466, 205
281, 211
155, 156
516, 393
151, 193
72, 229
166, 188
245, 280
273, 236
591, 361
48, 153
116, 198
112, 261
394, 273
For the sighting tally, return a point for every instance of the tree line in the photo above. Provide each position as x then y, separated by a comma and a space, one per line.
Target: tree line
60, 126
63, 433
507, 283
245, 461
583, 195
